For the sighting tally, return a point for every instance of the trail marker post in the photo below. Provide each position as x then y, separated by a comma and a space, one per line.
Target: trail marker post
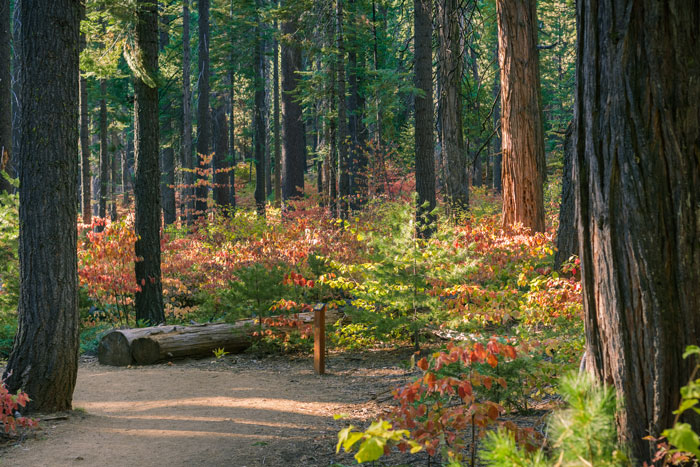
320, 338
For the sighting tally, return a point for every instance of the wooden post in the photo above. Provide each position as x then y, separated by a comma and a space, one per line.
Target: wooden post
320, 338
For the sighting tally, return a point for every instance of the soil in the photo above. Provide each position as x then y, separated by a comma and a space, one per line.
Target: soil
233, 411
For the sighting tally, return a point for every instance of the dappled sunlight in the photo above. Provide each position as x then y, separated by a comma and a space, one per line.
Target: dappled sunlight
183, 433
260, 403
237, 421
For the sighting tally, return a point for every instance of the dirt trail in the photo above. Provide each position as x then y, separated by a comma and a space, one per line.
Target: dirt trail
236, 411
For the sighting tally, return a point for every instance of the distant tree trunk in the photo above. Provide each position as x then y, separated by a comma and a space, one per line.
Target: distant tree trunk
167, 190
521, 122
203, 115
567, 235
425, 164
114, 169
167, 152
187, 195
149, 301
44, 358
104, 154
450, 76
292, 123
637, 140
86, 198
5, 93
126, 176
266, 113
343, 163
478, 169
232, 146
259, 116
497, 132
276, 118
358, 158
220, 165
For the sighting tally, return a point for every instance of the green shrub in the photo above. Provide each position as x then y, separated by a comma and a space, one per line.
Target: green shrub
582, 434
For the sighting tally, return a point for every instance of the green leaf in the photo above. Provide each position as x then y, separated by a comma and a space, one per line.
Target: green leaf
371, 450
342, 437
685, 405
683, 438
691, 350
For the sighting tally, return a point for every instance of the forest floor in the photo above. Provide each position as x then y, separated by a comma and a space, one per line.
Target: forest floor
239, 410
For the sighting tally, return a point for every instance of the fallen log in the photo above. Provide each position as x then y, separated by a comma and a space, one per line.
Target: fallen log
190, 341
143, 346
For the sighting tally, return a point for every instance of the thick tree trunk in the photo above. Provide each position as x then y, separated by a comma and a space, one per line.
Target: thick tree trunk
187, 194
86, 192
450, 96
425, 164
259, 116
521, 121
567, 234
149, 300
221, 166
343, 162
5, 93
16, 89
104, 154
496, 127
292, 123
637, 140
44, 358
203, 115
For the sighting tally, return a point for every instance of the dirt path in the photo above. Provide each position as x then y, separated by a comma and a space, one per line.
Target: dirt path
236, 411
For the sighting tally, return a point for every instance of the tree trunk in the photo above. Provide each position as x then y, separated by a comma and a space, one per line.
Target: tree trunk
203, 115
521, 122
16, 89
232, 149
343, 163
425, 164
149, 300
292, 123
478, 166
567, 234
5, 93
44, 358
450, 97
167, 187
114, 170
232, 123
104, 155
276, 118
358, 158
496, 128
637, 140
221, 166
126, 175
86, 198
187, 195
259, 115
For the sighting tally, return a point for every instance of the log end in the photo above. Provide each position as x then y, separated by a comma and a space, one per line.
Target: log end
114, 350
